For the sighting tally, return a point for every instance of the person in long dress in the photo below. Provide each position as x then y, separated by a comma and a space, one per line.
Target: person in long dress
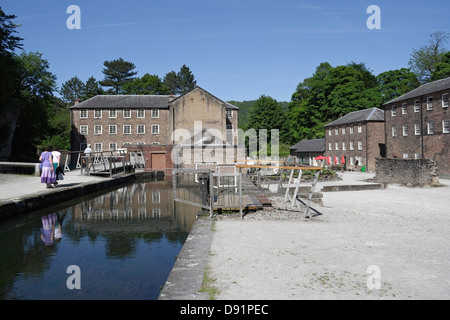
48, 175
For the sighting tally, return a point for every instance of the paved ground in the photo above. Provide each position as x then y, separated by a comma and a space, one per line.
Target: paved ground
14, 186
379, 244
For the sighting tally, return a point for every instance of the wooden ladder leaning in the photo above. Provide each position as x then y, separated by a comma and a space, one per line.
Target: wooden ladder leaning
294, 199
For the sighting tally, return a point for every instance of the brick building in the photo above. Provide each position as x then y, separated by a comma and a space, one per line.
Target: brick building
357, 138
110, 122
418, 125
306, 150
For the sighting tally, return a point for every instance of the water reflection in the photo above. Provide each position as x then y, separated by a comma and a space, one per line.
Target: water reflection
125, 243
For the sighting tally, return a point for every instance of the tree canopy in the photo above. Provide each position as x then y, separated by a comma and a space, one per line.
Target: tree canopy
117, 73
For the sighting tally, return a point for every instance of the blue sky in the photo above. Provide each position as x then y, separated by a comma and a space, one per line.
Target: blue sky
236, 49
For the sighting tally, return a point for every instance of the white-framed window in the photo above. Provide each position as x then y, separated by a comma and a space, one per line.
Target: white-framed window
360, 145
337, 146
229, 113
97, 129
430, 103
113, 129
112, 114
127, 113
430, 128
352, 161
417, 129
394, 131
343, 130
405, 130
344, 146
112, 146
445, 126
445, 98
155, 143
352, 130
359, 128
97, 114
336, 131
329, 132
98, 147
84, 130
417, 106
352, 145
126, 144
127, 129
405, 156
394, 111
330, 146
155, 113
155, 128
141, 129
83, 114
141, 113
417, 156
404, 108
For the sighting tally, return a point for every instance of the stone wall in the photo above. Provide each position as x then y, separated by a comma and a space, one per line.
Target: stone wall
414, 172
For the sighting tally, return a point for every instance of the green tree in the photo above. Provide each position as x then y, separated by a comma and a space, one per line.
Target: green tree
181, 82
442, 69
9, 82
148, 84
268, 114
424, 60
329, 94
92, 88
395, 83
72, 89
36, 97
117, 73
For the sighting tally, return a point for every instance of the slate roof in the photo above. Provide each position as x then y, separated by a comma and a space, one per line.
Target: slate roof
124, 102
315, 145
435, 86
372, 114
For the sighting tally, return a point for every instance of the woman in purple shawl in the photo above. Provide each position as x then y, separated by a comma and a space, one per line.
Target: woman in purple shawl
48, 175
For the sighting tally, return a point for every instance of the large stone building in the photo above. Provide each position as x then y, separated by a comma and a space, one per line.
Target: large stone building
357, 138
110, 122
418, 125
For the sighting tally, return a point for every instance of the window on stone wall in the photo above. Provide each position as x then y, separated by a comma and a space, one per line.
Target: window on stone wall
394, 131
352, 145
112, 146
84, 130
330, 146
343, 130
344, 146
83, 114
229, 113
446, 126
404, 108
141, 129
337, 146
360, 145
405, 156
112, 129
98, 147
445, 98
417, 106
352, 130
127, 113
126, 129
113, 114
359, 128
430, 103
155, 113
417, 129
98, 130
155, 129
97, 113
430, 128
394, 111
405, 130
141, 113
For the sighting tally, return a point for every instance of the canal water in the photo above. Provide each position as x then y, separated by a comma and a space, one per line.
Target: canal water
119, 245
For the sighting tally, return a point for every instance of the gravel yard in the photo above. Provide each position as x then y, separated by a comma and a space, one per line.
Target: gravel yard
378, 244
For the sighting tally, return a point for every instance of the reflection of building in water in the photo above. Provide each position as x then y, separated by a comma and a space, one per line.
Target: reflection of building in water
150, 201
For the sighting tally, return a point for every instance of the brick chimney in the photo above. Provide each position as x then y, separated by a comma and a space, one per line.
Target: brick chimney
77, 101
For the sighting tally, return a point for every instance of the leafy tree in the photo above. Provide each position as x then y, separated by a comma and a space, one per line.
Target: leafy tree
268, 114
442, 69
185, 80
395, 83
424, 60
72, 89
148, 84
117, 73
9, 82
181, 82
36, 97
92, 88
329, 94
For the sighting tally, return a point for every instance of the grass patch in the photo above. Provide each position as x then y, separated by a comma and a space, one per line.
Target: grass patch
208, 285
